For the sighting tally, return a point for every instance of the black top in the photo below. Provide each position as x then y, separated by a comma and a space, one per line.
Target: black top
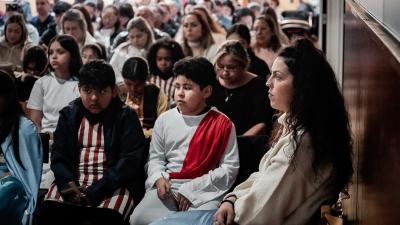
41, 26
246, 106
258, 66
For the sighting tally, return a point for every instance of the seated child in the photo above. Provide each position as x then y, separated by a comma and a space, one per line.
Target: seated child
145, 98
20, 158
98, 152
193, 157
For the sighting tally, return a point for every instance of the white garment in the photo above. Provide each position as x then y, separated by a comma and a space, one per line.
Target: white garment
172, 134
283, 191
33, 34
123, 52
50, 95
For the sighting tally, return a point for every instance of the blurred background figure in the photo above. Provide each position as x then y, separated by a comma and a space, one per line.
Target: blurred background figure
14, 41
145, 98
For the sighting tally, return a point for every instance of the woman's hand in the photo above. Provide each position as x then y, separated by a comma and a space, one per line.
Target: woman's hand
182, 202
225, 214
163, 188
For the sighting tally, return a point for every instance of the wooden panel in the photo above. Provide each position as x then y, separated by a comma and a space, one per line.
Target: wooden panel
371, 86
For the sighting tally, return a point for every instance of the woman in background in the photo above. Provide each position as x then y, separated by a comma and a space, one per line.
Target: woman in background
14, 41
140, 38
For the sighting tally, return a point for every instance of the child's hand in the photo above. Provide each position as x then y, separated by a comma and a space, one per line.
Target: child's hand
182, 202
72, 194
163, 188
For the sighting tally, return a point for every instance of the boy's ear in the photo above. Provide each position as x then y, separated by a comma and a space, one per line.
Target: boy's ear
114, 91
207, 91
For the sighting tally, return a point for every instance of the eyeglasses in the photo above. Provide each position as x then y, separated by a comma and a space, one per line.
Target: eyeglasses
228, 68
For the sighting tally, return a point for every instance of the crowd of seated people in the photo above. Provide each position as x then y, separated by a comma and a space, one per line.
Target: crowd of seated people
145, 105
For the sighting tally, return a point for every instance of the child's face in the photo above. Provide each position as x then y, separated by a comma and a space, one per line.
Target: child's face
164, 60
95, 100
138, 38
189, 97
88, 55
59, 57
135, 88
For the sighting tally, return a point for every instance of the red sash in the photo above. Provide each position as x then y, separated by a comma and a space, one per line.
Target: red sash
207, 146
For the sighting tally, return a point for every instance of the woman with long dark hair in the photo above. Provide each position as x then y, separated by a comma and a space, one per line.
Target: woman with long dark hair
310, 160
20, 158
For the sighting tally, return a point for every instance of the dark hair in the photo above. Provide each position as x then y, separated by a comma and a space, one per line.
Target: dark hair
18, 19
70, 45
14, 7
97, 74
98, 48
11, 115
242, 12
61, 7
318, 108
214, 25
173, 47
197, 69
241, 30
126, 10
207, 39
229, 4
37, 55
135, 69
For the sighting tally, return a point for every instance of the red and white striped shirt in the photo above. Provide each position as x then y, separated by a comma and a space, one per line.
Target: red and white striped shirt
92, 165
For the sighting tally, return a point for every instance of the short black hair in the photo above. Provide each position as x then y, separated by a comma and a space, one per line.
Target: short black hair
97, 74
135, 69
241, 30
197, 69
61, 7
242, 12
37, 55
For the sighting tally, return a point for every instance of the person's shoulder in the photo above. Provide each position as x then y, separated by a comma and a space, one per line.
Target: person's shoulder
257, 83
34, 20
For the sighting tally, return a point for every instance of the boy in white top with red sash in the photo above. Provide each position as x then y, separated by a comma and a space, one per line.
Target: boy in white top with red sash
193, 157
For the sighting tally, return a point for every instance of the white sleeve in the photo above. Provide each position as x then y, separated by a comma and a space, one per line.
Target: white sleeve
279, 189
36, 97
156, 165
116, 62
216, 182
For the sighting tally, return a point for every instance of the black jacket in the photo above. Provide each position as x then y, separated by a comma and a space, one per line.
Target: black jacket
124, 146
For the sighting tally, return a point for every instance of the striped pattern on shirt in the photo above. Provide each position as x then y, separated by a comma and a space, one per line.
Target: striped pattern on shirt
92, 165
167, 86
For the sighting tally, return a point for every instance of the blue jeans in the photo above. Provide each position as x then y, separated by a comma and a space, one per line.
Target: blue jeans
194, 217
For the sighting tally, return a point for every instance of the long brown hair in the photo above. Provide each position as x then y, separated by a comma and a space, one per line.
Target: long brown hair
18, 19
207, 40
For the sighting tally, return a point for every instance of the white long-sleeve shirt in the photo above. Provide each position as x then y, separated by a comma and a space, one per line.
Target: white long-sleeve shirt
172, 134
